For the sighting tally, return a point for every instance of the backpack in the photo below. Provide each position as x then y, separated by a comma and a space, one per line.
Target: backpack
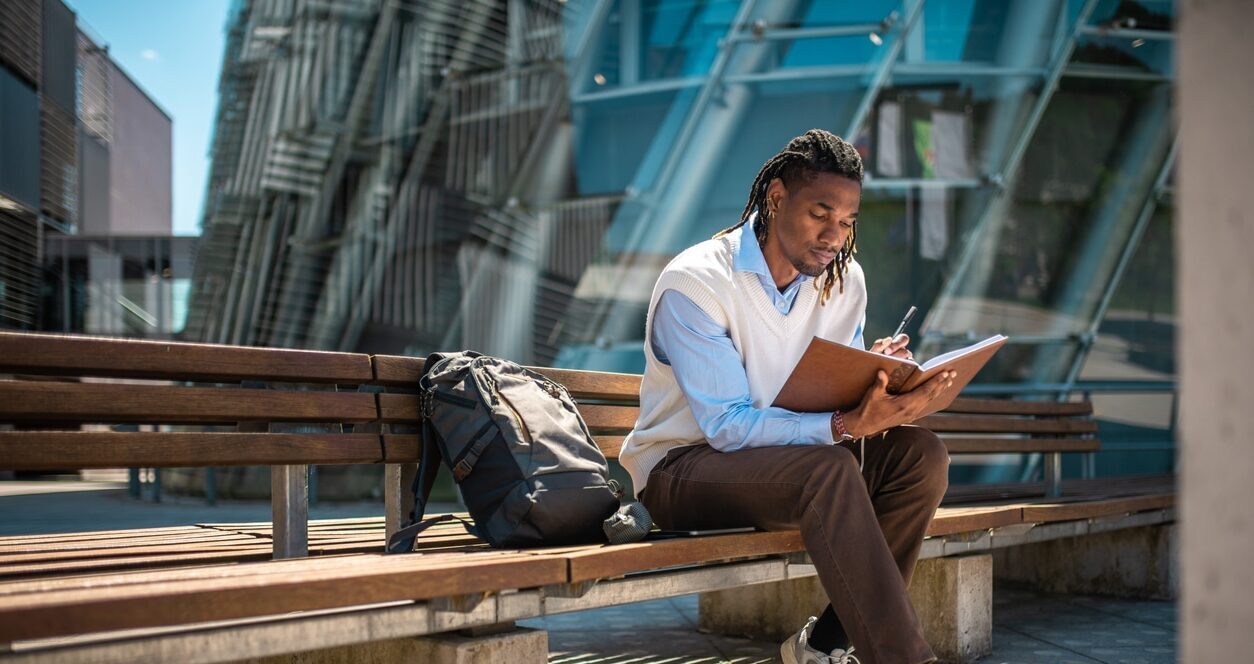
528, 470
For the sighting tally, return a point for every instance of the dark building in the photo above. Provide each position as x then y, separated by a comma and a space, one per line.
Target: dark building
85, 186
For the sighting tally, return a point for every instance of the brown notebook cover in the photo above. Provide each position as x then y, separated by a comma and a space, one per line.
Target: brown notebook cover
832, 376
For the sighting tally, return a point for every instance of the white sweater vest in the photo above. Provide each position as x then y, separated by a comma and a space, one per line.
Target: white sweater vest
769, 342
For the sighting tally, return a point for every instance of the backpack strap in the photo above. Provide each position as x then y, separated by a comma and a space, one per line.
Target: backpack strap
410, 533
428, 466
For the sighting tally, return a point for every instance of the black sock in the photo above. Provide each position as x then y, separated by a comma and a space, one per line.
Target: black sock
828, 633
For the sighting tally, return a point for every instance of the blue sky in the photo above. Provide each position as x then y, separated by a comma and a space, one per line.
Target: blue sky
173, 50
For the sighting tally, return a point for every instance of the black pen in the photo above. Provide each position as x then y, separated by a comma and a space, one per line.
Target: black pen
905, 320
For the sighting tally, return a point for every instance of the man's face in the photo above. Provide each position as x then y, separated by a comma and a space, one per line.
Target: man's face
809, 224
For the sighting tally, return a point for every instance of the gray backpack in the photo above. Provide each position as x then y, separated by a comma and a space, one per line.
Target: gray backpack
528, 469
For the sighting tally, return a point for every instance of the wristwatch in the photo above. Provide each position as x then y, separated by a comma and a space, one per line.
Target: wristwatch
838, 426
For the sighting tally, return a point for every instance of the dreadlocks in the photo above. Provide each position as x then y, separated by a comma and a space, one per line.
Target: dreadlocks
816, 151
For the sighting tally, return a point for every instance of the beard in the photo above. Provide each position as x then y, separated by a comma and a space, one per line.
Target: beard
809, 265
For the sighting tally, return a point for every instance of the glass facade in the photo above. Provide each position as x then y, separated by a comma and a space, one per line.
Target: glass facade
116, 286
513, 180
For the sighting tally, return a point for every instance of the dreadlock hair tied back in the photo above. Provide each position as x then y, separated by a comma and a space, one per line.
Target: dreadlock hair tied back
816, 151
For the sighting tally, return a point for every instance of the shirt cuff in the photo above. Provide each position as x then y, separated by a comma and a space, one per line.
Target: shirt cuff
815, 428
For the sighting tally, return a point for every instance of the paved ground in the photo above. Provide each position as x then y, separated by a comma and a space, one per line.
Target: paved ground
1029, 628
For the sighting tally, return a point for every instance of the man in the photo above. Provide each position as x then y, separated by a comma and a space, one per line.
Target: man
727, 321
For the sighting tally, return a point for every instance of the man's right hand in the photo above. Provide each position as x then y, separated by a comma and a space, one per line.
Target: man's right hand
881, 411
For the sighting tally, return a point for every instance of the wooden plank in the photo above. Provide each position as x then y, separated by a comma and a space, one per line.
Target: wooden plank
609, 419
103, 555
64, 355
207, 537
966, 445
1015, 407
94, 534
991, 424
216, 570
101, 569
399, 408
611, 445
1088, 509
601, 562
39, 450
22, 401
60, 613
952, 520
402, 448
396, 370
1096, 488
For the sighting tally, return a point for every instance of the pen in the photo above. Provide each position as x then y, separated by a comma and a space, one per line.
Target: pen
904, 321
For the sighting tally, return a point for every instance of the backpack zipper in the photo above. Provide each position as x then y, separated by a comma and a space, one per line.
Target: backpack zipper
522, 426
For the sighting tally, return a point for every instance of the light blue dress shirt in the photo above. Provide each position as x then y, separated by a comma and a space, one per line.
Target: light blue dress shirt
708, 368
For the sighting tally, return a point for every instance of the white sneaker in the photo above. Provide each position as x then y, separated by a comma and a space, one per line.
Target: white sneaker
797, 650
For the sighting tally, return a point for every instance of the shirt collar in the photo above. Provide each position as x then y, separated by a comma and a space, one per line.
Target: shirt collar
748, 256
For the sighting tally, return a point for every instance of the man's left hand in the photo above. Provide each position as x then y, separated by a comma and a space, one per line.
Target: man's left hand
895, 346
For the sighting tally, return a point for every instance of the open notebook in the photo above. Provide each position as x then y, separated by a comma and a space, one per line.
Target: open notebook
832, 376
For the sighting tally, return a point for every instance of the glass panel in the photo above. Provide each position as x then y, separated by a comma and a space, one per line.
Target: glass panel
946, 127
1124, 54
1045, 252
681, 38
1136, 14
827, 51
1137, 336
826, 13
1007, 34
905, 238
614, 137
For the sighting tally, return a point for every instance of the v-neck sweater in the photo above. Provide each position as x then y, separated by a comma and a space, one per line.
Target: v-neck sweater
769, 343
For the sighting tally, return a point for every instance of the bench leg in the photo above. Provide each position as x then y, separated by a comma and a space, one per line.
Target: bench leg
953, 597
289, 505
765, 611
1134, 562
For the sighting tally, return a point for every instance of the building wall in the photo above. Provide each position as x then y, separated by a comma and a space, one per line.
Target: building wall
19, 140
95, 201
140, 162
1215, 233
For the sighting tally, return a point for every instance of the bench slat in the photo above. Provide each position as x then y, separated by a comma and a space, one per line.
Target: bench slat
261, 552
611, 561
49, 450
1081, 508
63, 355
993, 424
1015, 407
368, 579
22, 401
611, 445
403, 408
278, 567
401, 371
951, 520
962, 445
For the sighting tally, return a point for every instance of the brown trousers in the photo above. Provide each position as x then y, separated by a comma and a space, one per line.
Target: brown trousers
862, 530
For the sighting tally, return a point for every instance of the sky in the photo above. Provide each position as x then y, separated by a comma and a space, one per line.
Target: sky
173, 50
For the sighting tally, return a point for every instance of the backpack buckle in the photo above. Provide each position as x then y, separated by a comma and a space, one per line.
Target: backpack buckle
426, 404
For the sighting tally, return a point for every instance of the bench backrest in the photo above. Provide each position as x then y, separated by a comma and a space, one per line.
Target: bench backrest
212, 405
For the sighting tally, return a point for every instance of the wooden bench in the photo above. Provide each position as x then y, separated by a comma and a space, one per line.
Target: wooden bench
208, 592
